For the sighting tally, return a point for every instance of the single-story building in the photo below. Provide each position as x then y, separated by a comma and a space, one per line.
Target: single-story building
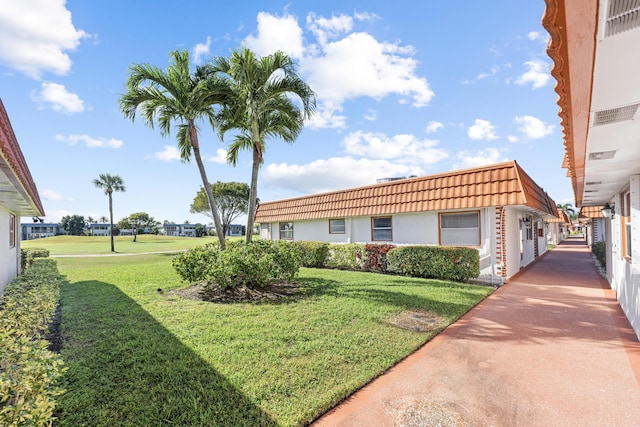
18, 197
594, 47
497, 209
591, 218
558, 228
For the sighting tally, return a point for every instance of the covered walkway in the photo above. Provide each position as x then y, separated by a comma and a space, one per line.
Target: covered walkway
550, 348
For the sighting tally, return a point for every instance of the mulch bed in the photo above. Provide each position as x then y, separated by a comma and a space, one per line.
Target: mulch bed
200, 292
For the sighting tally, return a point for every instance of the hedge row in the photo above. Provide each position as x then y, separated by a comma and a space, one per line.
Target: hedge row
441, 262
28, 255
28, 370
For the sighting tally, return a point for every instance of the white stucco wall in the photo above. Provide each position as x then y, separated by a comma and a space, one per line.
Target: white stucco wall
423, 228
623, 273
9, 257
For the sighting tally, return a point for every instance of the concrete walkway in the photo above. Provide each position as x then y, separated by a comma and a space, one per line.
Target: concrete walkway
551, 348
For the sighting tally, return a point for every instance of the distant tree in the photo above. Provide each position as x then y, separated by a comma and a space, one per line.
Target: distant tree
89, 220
232, 199
568, 209
139, 222
73, 224
174, 95
104, 219
199, 230
262, 102
110, 183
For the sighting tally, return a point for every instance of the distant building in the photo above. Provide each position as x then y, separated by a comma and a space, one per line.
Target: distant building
40, 230
97, 229
236, 230
181, 230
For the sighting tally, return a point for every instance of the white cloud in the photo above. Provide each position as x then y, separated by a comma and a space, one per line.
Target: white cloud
370, 115
220, 157
342, 64
468, 159
59, 99
513, 138
404, 148
433, 126
333, 174
169, 154
537, 74
36, 36
329, 28
90, 141
200, 50
56, 216
532, 127
482, 129
533, 35
366, 16
51, 195
277, 33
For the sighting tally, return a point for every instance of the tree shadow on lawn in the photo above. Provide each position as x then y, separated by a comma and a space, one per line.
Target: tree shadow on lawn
392, 295
124, 368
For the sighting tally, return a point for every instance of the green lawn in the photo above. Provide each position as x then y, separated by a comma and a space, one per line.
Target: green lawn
77, 245
140, 357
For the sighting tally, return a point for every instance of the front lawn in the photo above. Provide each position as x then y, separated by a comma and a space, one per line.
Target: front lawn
77, 245
139, 355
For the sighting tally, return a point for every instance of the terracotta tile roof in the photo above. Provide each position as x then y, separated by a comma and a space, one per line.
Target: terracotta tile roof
562, 217
496, 185
591, 211
14, 167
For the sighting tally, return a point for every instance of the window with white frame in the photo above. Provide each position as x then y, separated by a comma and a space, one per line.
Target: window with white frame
286, 231
460, 229
381, 228
336, 226
12, 230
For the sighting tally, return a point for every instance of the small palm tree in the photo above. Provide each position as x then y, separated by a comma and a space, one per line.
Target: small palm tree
104, 219
259, 104
110, 183
175, 95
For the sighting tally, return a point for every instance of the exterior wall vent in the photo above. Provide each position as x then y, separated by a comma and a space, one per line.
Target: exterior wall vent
593, 183
614, 115
623, 15
602, 155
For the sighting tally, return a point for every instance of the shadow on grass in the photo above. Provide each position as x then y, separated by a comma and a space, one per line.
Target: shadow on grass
397, 291
127, 369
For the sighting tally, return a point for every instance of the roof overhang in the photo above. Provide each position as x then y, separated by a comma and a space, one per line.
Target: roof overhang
594, 48
18, 192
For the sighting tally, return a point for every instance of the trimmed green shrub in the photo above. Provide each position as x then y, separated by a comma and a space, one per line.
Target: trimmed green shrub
28, 255
439, 262
599, 250
376, 257
314, 254
28, 370
254, 265
195, 264
349, 256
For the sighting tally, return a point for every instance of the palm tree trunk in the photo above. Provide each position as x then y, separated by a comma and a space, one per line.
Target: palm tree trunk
253, 193
207, 187
111, 217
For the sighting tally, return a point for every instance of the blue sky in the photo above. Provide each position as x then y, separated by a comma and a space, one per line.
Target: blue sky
403, 88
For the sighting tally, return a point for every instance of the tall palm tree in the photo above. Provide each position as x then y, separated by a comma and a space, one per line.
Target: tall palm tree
110, 183
262, 101
175, 96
